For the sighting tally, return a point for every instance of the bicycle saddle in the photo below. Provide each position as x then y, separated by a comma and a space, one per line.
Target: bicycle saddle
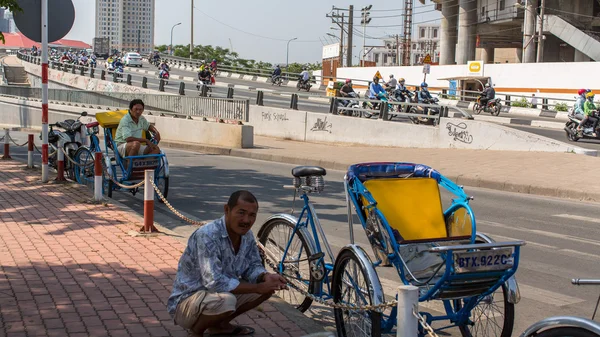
305, 171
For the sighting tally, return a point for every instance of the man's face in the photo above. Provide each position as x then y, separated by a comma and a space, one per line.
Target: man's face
137, 110
240, 218
376, 81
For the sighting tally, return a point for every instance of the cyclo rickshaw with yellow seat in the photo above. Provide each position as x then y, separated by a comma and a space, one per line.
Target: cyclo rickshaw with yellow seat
130, 170
439, 251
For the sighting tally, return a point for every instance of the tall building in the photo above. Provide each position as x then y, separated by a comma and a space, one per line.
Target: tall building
7, 23
128, 23
425, 41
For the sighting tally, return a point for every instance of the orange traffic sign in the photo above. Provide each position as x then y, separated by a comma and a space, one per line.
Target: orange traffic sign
378, 75
427, 59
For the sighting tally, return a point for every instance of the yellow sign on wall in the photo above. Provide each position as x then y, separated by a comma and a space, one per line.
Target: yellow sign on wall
475, 68
427, 59
378, 75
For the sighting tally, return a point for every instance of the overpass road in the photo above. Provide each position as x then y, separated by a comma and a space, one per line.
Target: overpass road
562, 236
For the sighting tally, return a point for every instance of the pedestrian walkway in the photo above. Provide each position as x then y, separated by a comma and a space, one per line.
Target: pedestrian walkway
542, 173
69, 267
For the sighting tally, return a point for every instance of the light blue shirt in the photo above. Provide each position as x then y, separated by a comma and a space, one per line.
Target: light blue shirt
375, 89
128, 128
210, 263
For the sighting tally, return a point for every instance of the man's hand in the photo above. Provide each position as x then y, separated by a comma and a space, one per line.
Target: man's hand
157, 136
272, 282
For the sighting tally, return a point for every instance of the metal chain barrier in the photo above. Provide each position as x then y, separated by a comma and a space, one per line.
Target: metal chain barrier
127, 187
74, 162
13, 141
183, 217
423, 323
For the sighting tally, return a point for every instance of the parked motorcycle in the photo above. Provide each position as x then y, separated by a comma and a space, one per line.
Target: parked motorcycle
493, 106
73, 134
303, 85
429, 111
573, 123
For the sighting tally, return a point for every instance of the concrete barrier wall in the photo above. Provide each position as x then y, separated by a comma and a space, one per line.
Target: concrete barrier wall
451, 133
28, 114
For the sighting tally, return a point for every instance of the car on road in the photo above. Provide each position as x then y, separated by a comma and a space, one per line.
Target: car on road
133, 59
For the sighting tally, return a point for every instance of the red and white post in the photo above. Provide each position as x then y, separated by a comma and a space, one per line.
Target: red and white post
148, 203
6, 144
45, 91
30, 151
98, 176
60, 162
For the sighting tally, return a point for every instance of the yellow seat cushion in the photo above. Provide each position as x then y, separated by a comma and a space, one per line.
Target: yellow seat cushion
412, 206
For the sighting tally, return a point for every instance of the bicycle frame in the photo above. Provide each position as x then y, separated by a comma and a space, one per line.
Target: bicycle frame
313, 224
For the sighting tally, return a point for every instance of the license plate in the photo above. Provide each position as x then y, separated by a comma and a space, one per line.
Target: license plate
485, 260
145, 163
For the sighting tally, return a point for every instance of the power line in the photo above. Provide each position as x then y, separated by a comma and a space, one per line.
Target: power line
249, 33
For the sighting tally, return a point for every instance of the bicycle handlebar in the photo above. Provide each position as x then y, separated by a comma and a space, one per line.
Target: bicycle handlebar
582, 282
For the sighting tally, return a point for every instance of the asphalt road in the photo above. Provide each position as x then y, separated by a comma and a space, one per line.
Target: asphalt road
560, 136
562, 236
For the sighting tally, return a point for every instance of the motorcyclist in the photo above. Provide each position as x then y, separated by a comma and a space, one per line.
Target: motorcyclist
304, 76
488, 94
156, 57
213, 65
118, 63
276, 73
375, 90
164, 67
204, 75
424, 94
401, 92
347, 91
392, 83
110, 60
64, 58
588, 109
578, 107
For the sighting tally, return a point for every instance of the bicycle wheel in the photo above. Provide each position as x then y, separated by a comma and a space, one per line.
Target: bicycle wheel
161, 179
492, 317
84, 170
348, 275
566, 332
275, 235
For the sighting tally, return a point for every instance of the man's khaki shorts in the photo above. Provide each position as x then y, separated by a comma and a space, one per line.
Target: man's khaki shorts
210, 304
121, 148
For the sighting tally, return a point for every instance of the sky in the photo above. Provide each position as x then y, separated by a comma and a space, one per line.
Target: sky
260, 29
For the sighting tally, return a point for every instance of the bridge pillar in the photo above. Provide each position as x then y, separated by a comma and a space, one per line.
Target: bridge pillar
467, 25
448, 32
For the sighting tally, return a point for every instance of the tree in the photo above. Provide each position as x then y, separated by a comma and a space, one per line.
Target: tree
12, 6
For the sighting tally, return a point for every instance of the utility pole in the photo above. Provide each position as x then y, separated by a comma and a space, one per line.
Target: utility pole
540, 51
349, 44
408, 5
192, 31
364, 22
341, 57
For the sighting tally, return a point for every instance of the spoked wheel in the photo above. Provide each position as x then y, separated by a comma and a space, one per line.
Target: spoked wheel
566, 332
478, 110
275, 235
493, 316
84, 171
572, 136
497, 109
475, 106
352, 286
162, 180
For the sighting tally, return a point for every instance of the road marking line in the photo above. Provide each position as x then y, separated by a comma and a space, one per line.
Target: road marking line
577, 217
543, 233
546, 296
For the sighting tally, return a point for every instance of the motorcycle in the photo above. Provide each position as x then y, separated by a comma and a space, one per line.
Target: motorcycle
164, 75
399, 97
429, 111
93, 63
204, 82
493, 106
573, 123
276, 80
73, 136
303, 85
351, 102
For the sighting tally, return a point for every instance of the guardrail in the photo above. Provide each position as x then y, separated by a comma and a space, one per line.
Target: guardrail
180, 103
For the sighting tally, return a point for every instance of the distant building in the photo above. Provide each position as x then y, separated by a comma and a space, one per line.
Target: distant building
128, 23
425, 40
7, 24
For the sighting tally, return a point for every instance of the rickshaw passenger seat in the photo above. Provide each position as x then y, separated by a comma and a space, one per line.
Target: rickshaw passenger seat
412, 206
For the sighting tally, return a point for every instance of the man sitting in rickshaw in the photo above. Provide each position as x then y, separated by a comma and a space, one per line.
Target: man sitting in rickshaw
129, 133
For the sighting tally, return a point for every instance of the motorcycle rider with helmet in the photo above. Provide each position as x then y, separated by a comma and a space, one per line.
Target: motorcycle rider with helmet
304, 75
488, 94
163, 68
276, 73
588, 109
578, 107
401, 92
346, 91
392, 83
423, 96
375, 89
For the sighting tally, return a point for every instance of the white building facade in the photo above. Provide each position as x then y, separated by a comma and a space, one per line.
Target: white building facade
128, 23
425, 40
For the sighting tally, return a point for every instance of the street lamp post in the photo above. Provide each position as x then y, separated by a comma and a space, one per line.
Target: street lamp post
171, 48
287, 56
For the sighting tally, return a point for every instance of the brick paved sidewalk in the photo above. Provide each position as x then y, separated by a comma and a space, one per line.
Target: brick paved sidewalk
70, 268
